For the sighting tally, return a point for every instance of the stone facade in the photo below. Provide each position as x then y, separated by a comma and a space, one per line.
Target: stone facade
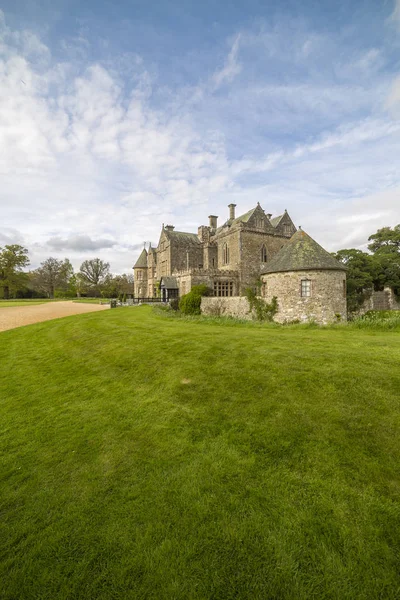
326, 302
380, 300
227, 259
223, 307
308, 282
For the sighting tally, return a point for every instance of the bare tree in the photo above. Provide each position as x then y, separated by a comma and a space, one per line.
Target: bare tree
93, 273
52, 274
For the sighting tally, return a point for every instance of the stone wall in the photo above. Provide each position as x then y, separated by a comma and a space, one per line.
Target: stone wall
326, 304
187, 279
236, 306
251, 243
384, 300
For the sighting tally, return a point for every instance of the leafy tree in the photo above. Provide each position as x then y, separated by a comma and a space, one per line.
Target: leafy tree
361, 272
13, 258
53, 274
93, 273
385, 240
385, 245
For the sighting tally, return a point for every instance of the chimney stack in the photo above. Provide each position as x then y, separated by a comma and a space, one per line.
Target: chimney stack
232, 211
213, 221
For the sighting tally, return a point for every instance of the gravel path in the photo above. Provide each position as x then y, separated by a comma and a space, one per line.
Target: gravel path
26, 315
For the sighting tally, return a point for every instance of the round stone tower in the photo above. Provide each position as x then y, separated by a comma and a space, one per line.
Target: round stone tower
309, 283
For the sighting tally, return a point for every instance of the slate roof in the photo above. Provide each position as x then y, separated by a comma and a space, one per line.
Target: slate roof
169, 283
242, 219
141, 262
300, 254
183, 237
276, 220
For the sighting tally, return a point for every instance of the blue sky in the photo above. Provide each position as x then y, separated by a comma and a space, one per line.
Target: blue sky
116, 117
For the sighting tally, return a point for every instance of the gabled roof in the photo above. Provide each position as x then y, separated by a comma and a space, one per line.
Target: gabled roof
141, 262
182, 237
276, 220
169, 283
242, 219
302, 253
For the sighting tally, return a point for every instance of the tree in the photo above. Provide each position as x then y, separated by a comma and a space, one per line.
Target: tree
385, 245
93, 273
52, 274
385, 241
361, 272
13, 258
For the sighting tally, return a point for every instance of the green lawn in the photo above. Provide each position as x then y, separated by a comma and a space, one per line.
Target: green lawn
153, 458
90, 300
22, 302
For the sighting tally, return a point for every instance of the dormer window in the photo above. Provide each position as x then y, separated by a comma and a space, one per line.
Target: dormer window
305, 288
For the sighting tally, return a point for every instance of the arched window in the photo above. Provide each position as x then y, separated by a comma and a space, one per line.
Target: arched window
225, 255
263, 254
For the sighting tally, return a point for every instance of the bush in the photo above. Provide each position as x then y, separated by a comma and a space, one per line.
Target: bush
262, 310
201, 290
174, 303
190, 303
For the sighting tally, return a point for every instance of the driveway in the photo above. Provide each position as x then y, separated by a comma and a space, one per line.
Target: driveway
17, 316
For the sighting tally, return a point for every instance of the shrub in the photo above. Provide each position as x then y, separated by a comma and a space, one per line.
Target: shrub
190, 303
174, 303
262, 310
201, 290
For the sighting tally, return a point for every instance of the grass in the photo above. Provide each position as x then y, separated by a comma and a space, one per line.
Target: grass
155, 458
90, 300
24, 302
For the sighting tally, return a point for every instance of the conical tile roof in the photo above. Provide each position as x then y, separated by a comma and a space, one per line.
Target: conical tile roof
302, 253
141, 262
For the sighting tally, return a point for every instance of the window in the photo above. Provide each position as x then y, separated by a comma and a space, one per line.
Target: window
223, 288
225, 255
259, 223
140, 275
263, 254
213, 262
305, 288
287, 230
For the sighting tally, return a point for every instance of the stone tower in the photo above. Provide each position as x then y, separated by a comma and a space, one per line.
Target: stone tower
307, 281
140, 270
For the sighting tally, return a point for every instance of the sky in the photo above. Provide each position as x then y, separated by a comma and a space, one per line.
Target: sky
116, 117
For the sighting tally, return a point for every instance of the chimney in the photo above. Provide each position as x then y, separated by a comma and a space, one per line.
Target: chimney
169, 227
232, 211
269, 215
213, 221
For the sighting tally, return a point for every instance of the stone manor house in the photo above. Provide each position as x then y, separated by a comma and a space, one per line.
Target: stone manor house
229, 258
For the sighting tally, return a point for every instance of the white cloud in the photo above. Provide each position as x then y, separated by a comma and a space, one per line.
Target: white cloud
393, 100
395, 16
89, 162
231, 67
